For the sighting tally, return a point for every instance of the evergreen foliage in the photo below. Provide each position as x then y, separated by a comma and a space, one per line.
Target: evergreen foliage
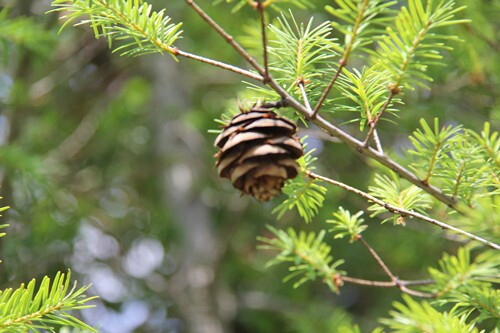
301, 53
307, 253
45, 308
410, 45
391, 190
360, 22
140, 29
303, 193
345, 224
458, 160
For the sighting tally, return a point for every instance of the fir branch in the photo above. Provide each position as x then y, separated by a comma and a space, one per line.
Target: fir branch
387, 271
358, 20
403, 212
378, 144
309, 259
142, 29
323, 123
304, 96
413, 316
429, 142
457, 271
367, 90
457, 160
382, 284
407, 50
275, 4
491, 143
327, 90
345, 224
390, 190
300, 51
373, 122
308, 254
27, 309
352, 225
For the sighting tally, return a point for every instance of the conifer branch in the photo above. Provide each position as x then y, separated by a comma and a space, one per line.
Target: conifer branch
345, 55
322, 123
412, 30
28, 308
402, 212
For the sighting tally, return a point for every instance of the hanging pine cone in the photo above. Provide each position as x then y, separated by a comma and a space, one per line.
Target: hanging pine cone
258, 150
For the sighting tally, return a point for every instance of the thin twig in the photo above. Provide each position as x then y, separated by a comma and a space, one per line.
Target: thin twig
398, 283
328, 88
400, 211
219, 64
378, 144
227, 37
304, 97
386, 284
373, 123
260, 9
377, 258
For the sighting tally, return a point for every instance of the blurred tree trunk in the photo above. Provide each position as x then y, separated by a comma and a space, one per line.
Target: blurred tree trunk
181, 147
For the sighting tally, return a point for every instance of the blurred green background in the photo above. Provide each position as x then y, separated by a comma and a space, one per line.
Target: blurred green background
107, 164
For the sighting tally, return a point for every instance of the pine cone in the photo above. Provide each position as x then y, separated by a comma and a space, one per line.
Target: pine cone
258, 150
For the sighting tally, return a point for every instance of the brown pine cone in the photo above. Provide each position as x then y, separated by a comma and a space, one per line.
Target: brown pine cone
258, 150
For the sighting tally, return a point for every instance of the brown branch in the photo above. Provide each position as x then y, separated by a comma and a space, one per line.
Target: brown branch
377, 258
219, 64
402, 285
227, 37
260, 9
403, 212
386, 284
397, 283
328, 89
